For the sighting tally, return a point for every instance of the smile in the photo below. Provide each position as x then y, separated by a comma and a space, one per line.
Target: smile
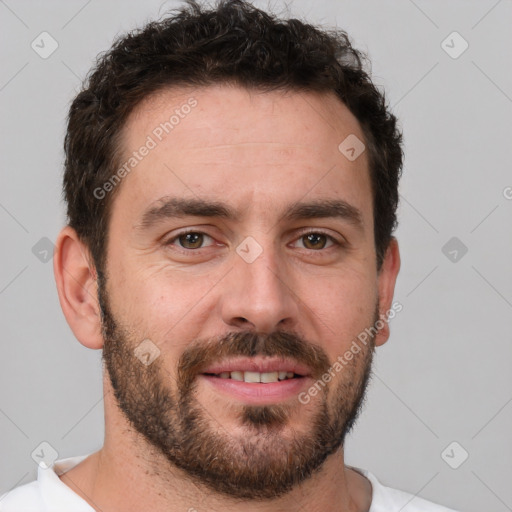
260, 377
257, 380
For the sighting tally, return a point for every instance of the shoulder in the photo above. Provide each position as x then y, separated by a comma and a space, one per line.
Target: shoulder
25, 498
386, 499
48, 493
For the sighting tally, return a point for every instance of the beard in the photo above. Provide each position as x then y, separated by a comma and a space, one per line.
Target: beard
263, 459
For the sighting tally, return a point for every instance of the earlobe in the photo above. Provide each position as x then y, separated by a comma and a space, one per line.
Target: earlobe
386, 283
76, 281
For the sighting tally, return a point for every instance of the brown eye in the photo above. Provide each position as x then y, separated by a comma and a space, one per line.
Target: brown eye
191, 240
315, 241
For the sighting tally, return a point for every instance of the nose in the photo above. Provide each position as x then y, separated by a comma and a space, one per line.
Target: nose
259, 296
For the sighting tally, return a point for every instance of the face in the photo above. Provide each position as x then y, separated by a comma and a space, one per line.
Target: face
241, 261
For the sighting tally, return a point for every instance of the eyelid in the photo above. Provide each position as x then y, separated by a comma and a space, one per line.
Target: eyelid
175, 237
319, 231
302, 233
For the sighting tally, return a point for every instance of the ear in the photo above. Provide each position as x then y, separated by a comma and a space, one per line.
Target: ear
386, 284
75, 276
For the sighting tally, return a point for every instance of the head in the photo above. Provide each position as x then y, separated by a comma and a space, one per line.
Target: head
215, 219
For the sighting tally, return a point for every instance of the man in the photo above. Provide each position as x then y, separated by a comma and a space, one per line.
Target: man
231, 182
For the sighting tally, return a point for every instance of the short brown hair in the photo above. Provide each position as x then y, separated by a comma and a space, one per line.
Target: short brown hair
236, 43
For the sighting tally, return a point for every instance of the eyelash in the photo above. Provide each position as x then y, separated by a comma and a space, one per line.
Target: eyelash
335, 243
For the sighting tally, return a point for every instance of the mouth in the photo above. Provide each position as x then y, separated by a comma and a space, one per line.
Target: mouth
257, 369
257, 381
259, 377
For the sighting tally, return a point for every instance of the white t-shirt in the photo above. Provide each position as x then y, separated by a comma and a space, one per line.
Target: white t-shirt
49, 494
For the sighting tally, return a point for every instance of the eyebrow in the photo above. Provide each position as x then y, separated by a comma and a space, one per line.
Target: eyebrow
174, 207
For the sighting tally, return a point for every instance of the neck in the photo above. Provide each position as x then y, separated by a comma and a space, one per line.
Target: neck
127, 474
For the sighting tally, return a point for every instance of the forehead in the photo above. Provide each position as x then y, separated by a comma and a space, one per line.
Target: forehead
252, 148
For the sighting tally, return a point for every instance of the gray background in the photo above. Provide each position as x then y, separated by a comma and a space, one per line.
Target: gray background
444, 376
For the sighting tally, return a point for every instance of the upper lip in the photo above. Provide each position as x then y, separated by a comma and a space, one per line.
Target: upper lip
258, 364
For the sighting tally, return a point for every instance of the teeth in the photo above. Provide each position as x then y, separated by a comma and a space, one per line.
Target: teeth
264, 377
252, 376
269, 377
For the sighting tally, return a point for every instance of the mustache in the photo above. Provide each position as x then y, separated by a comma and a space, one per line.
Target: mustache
201, 354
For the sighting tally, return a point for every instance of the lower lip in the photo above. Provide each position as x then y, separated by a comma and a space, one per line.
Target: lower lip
258, 393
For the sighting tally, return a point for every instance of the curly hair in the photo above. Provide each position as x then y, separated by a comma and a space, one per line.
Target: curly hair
235, 43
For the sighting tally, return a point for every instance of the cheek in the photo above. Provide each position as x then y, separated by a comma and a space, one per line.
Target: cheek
162, 304
342, 307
